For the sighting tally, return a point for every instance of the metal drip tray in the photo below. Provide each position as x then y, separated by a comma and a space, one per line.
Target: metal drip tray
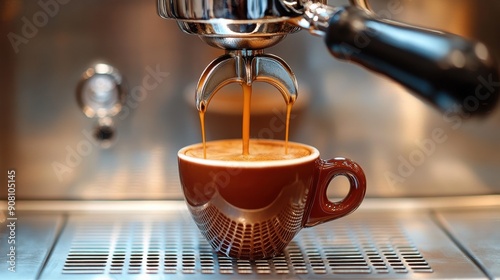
156, 246
374, 244
159, 240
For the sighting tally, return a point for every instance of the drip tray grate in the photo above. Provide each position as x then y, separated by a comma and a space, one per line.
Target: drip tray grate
154, 247
131, 245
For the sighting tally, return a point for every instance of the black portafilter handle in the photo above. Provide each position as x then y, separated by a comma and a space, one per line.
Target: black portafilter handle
447, 70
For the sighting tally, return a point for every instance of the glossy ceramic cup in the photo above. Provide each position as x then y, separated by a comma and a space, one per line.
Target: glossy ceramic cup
253, 209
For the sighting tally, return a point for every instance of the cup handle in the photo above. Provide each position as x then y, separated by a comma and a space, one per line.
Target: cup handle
321, 209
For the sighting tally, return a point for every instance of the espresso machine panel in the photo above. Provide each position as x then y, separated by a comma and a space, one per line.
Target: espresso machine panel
98, 96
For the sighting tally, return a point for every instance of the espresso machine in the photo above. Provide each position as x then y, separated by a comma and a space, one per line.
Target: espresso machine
99, 95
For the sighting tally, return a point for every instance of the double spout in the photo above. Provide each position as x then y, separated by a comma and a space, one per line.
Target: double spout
245, 67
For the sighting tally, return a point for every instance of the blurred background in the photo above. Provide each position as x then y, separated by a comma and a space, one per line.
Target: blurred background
407, 148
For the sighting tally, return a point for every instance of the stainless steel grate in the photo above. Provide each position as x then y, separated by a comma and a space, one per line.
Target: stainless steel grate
166, 244
155, 246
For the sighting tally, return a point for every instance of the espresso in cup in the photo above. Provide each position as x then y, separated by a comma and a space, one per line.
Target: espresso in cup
230, 150
251, 206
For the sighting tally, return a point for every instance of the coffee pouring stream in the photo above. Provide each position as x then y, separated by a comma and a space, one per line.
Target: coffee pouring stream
245, 67
448, 71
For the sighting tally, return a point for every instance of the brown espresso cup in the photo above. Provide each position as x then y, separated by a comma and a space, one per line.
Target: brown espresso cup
251, 208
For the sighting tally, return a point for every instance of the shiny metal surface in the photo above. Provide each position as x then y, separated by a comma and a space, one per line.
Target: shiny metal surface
34, 235
229, 9
388, 239
171, 247
477, 232
256, 36
245, 67
232, 24
101, 95
315, 18
157, 242
350, 112
101, 92
238, 36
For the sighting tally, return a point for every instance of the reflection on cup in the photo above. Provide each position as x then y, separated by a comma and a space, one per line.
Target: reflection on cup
251, 207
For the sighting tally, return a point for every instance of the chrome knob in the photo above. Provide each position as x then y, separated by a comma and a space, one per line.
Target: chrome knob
100, 92
101, 95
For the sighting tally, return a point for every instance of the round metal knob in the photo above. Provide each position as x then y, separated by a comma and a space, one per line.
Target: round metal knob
100, 92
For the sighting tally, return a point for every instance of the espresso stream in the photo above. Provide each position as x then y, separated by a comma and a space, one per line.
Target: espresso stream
245, 134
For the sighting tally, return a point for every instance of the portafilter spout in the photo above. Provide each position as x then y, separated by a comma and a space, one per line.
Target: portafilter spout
245, 67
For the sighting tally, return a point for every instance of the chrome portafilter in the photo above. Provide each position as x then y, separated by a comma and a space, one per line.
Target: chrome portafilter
452, 73
243, 30
230, 24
